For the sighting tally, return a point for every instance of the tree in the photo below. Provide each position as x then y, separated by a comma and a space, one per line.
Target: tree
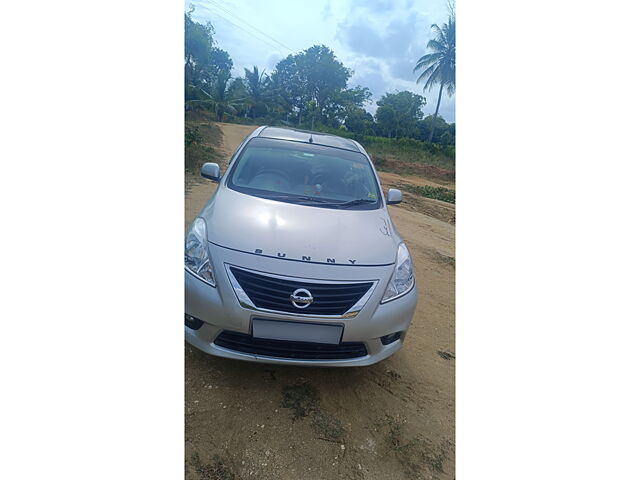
313, 111
222, 100
198, 40
287, 85
311, 89
343, 101
386, 120
280, 103
220, 61
237, 92
358, 120
313, 81
398, 113
439, 66
204, 62
436, 128
256, 87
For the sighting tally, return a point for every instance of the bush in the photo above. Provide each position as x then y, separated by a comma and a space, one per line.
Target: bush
199, 141
192, 136
437, 193
404, 149
401, 149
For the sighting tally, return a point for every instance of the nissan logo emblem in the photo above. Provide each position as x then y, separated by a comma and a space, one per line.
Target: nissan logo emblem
301, 298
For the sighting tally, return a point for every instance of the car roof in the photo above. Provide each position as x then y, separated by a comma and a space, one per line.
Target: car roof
318, 138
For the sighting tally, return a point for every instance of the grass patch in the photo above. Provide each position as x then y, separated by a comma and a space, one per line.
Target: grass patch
446, 259
436, 456
402, 150
415, 453
388, 164
446, 355
411, 151
302, 399
201, 144
327, 426
199, 116
216, 470
437, 193
396, 150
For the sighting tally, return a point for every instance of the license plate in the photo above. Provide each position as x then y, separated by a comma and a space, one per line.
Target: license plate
297, 331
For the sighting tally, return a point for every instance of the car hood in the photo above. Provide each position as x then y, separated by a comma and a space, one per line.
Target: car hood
299, 232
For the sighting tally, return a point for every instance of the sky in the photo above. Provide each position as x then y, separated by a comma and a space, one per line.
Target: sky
380, 40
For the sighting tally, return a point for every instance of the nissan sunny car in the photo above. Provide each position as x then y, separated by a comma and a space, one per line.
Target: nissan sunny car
294, 259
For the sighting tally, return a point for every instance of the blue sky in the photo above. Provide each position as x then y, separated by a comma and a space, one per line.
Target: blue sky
380, 40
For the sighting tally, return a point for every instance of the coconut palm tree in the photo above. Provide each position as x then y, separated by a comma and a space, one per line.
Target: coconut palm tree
439, 66
256, 84
220, 101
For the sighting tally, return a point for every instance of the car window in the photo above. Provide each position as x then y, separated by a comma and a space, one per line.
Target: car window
305, 173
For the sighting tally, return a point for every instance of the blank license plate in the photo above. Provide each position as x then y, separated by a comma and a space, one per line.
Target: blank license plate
297, 331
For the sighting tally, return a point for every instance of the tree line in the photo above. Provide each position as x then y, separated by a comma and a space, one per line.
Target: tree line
310, 90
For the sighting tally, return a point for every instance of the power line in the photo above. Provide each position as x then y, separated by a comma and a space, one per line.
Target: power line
246, 31
225, 10
250, 25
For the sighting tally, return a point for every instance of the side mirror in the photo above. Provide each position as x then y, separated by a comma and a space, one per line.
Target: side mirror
394, 196
211, 171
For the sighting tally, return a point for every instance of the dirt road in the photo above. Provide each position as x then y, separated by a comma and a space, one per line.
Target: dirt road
393, 420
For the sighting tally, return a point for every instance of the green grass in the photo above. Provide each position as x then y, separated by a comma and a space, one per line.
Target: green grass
201, 143
388, 150
390, 154
399, 155
437, 193
415, 453
402, 149
410, 150
327, 426
216, 470
302, 399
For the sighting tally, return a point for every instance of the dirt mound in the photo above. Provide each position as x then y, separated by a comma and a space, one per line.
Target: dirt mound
437, 172
387, 164
434, 208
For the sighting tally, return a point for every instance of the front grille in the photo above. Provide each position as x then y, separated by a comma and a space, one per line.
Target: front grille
241, 342
273, 293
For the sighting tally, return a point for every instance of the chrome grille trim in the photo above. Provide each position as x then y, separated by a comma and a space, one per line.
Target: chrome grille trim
246, 302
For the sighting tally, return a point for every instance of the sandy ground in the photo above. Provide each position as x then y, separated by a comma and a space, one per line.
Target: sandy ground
392, 420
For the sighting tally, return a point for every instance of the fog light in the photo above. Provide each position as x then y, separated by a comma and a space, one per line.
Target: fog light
392, 337
192, 322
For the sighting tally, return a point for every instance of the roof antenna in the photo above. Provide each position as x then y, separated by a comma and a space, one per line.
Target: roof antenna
310, 138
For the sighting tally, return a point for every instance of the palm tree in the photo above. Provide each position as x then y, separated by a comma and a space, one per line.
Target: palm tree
227, 99
439, 66
220, 101
256, 84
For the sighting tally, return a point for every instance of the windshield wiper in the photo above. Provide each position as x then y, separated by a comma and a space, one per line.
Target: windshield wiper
312, 199
305, 198
309, 199
357, 201
333, 203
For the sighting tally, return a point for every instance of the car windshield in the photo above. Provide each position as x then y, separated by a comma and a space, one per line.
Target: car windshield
305, 173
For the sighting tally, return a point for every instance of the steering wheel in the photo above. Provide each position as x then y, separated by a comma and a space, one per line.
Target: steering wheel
273, 175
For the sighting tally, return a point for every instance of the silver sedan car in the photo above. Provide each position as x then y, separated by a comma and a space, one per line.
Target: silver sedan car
294, 259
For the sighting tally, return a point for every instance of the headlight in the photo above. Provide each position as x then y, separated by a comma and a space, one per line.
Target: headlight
196, 252
402, 279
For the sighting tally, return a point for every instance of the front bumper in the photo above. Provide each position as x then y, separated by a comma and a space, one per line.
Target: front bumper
220, 310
